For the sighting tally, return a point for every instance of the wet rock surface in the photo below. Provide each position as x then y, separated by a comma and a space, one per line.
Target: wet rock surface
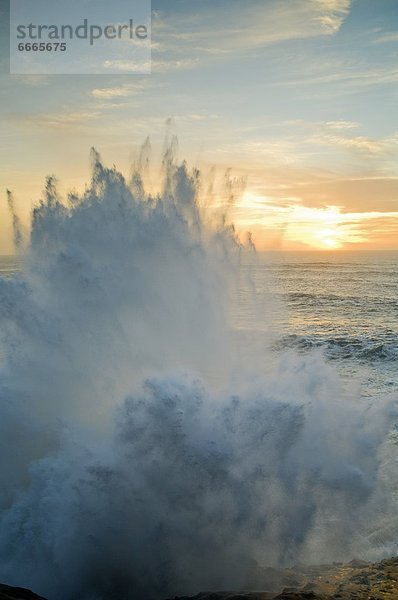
357, 580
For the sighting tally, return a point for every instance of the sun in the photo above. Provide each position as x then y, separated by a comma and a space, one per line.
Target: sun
318, 228
290, 225
328, 238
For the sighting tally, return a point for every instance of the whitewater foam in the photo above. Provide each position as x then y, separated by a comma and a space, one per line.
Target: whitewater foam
127, 471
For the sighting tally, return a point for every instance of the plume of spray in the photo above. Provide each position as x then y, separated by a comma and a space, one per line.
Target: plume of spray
138, 458
16, 222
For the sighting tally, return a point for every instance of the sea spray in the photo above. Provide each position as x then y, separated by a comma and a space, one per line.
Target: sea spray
138, 457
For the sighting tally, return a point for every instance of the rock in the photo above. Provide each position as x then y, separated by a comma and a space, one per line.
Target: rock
357, 580
358, 564
227, 596
299, 595
16, 593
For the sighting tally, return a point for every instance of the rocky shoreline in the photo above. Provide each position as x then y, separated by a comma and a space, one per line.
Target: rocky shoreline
356, 580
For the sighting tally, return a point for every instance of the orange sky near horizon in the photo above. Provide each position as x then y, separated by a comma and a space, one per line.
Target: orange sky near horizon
274, 225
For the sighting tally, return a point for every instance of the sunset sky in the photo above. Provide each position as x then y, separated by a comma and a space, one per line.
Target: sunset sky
299, 97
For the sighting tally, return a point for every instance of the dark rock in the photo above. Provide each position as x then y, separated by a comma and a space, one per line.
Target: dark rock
16, 593
287, 595
228, 596
357, 564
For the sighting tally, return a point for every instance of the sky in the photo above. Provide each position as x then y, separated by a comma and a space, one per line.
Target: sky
297, 97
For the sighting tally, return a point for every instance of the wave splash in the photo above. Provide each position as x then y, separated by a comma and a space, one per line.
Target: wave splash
127, 473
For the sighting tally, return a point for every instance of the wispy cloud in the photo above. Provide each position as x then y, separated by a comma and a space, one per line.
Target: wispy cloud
386, 38
111, 93
245, 27
332, 14
361, 143
155, 66
122, 91
337, 133
128, 66
164, 66
347, 75
64, 120
323, 227
319, 190
342, 125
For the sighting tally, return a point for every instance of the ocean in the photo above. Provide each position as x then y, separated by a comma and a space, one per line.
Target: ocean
9, 265
345, 304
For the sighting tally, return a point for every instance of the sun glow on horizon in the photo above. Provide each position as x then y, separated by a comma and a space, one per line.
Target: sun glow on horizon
288, 224
328, 238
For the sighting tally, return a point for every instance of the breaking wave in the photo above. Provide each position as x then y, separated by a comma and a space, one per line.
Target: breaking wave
141, 454
362, 349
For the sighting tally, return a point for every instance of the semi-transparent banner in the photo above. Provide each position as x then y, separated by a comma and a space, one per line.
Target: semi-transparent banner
80, 36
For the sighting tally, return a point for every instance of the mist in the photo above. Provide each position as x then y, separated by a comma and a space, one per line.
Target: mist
143, 452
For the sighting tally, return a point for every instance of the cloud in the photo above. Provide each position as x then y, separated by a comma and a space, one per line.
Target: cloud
386, 38
349, 75
324, 227
333, 14
317, 190
360, 194
331, 228
245, 27
154, 66
128, 66
360, 143
123, 91
162, 66
337, 133
342, 124
111, 93
302, 144
65, 120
